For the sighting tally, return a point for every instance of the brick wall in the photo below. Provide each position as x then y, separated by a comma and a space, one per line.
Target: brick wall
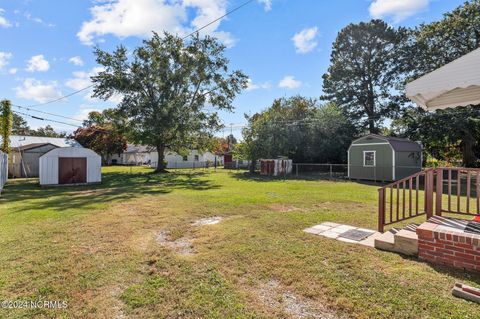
439, 245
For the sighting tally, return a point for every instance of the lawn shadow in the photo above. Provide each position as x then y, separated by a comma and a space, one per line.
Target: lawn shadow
115, 186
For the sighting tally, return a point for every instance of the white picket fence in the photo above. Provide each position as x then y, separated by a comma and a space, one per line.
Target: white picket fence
3, 169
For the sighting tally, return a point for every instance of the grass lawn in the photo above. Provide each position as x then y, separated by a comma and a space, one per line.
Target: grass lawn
127, 248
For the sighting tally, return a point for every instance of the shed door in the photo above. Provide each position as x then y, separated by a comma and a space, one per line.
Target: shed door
72, 170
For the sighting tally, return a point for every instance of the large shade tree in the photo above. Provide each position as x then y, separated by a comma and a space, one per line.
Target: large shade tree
432, 46
364, 68
445, 40
167, 85
299, 128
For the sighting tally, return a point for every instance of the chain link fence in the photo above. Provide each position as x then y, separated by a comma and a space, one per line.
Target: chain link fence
310, 170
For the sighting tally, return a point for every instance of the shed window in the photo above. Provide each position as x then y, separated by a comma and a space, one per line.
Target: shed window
368, 158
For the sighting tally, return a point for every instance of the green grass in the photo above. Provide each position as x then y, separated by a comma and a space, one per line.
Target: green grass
95, 247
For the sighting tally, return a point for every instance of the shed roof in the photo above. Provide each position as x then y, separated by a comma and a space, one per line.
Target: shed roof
398, 144
454, 84
19, 141
76, 151
33, 146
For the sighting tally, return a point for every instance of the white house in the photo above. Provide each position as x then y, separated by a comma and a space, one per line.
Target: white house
70, 166
193, 159
133, 155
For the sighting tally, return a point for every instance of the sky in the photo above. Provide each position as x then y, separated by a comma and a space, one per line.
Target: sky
284, 46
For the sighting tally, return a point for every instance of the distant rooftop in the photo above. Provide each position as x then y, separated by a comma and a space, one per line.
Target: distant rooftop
17, 141
138, 149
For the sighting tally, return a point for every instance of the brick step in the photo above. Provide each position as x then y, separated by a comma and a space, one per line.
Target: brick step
404, 241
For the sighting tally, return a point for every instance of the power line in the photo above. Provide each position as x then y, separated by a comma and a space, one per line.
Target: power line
45, 119
62, 97
189, 35
218, 19
47, 113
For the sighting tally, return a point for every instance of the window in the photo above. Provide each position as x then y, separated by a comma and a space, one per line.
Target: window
196, 158
185, 158
368, 158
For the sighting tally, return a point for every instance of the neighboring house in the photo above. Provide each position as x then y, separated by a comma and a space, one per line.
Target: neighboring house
383, 158
147, 155
193, 159
133, 155
25, 152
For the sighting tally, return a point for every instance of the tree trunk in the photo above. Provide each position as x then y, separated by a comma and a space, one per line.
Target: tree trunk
161, 159
468, 156
252, 166
371, 126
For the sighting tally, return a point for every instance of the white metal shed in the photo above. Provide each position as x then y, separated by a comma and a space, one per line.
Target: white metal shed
454, 84
70, 165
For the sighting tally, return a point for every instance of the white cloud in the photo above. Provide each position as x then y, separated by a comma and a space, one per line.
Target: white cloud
254, 86
4, 59
37, 63
76, 60
267, 4
289, 82
29, 17
125, 18
397, 9
32, 89
82, 114
13, 71
305, 40
3, 21
81, 79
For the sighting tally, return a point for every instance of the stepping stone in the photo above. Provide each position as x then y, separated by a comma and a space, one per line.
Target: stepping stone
321, 227
370, 240
343, 228
347, 240
314, 231
330, 224
329, 234
357, 234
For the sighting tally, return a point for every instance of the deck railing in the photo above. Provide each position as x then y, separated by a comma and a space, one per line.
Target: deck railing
432, 190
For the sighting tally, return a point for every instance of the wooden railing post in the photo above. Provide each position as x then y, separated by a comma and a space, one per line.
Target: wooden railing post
429, 193
439, 192
381, 209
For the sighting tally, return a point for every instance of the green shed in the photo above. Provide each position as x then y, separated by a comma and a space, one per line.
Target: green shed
383, 158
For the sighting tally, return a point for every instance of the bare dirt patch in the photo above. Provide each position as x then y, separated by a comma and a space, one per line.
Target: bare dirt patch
182, 245
283, 208
208, 221
274, 296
